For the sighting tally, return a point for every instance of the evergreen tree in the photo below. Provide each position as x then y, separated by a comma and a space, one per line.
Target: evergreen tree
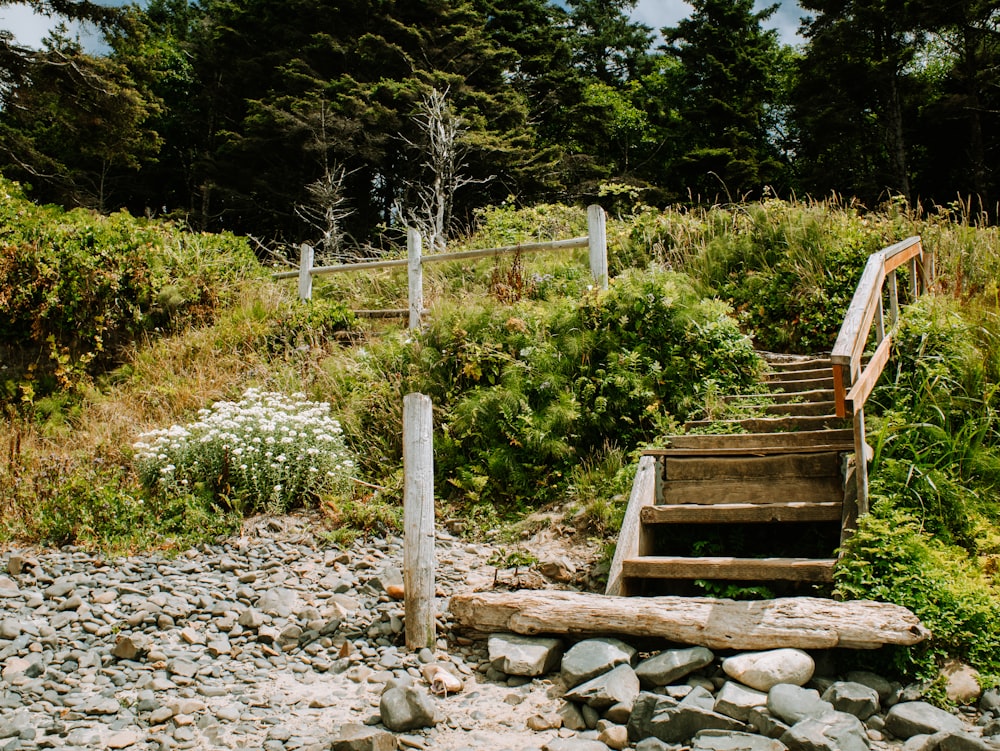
730, 76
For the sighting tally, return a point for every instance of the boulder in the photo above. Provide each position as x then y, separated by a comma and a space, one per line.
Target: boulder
920, 718
589, 658
736, 700
791, 704
961, 682
671, 665
523, 655
834, 731
406, 708
763, 670
719, 740
853, 698
362, 738
618, 686
681, 723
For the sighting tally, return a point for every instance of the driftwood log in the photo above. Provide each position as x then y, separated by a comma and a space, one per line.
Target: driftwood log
802, 622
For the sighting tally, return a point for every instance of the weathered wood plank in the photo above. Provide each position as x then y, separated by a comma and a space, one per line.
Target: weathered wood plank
800, 409
805, 384
801, 622
753, 490
418, 519
740, 569
760, 451
779, 397
865, 384
760, 441
858, 319
776, 424
803, 374
753, 467
633, 540
743, 513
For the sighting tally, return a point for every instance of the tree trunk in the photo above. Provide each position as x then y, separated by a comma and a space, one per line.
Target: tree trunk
802, 622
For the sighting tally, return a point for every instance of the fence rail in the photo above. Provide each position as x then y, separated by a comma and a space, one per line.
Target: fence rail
853, 379
595, 240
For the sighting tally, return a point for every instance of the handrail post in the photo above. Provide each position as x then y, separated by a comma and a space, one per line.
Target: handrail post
893, 301
861, 461
306, 255
415, 271
914, 279
598, 244
418, 521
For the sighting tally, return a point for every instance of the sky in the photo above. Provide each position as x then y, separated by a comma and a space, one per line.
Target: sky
29, 28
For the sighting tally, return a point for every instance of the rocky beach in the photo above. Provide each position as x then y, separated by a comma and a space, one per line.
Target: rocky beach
274, 640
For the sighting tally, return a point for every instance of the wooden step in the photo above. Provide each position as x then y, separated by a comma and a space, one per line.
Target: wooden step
781, 397
735, 569
775, 424
799, 409
773, 467
753, 490
798, 375
806, 384
743, 513
757, 444
812, 363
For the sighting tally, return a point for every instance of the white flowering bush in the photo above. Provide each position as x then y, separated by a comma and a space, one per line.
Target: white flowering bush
267, 452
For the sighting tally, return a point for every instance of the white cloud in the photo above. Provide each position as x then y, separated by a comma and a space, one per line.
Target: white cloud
30, 28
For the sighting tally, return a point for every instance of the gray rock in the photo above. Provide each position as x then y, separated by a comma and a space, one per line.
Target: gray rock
854, 698
834, 731
589, 658
990, 700
618, 686
719, 740
882, 687
646, 705
950, 741
918, 717
572, 717
790, 703
279, 601
736, 700
407, 708
653, 744
131, 646
523, 655
671, 665
362, 738
680, 724
251, 619
10, 629
765, 723
763, 670
15, 724
700, 696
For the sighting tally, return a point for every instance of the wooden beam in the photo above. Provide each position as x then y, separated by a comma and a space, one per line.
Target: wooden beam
633, 540
418, 521
743, 513
800, 622
739, 569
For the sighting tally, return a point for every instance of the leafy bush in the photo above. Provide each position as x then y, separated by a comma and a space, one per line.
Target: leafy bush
892, 559
76, 287
266, 452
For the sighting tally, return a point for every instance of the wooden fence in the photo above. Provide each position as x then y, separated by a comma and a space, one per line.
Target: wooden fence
595, 240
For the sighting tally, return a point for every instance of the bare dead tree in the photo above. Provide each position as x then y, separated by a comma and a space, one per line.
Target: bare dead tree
443, 149
327, 209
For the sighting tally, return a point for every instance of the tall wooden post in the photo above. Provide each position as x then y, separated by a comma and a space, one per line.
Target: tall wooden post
306, 255
416, 276
598, 244
861, 461
418, 521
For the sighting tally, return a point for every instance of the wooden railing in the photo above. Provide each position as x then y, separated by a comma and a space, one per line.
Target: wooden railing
595, 240
853, 377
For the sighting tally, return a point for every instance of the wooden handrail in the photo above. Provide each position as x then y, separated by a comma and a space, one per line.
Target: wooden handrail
853, 379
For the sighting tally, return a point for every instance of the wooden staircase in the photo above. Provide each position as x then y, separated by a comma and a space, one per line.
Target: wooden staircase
772, 475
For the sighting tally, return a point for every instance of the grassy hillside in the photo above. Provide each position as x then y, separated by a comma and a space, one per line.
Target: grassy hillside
158, 386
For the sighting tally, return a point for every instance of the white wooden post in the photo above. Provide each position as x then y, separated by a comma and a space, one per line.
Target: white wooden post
306, 254
598, 244
416, 276
418, 521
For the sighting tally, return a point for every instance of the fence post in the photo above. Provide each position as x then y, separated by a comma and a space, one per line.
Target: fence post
306, 254
418, 521
598, 243
416, 276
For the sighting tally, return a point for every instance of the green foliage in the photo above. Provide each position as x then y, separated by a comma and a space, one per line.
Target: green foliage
267, 452
77, 289
892, 559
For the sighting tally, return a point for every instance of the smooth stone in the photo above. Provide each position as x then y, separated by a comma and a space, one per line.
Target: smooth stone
618, 686
352, 737
791, 703
574, 744
736, 700
834, 731
406, 708
961, 682
920, 718
853, 698
764, 670
719, 740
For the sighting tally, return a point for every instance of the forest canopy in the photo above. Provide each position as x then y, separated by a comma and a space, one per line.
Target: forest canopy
307, 120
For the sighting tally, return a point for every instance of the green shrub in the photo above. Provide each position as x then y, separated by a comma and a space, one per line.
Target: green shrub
892, 559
